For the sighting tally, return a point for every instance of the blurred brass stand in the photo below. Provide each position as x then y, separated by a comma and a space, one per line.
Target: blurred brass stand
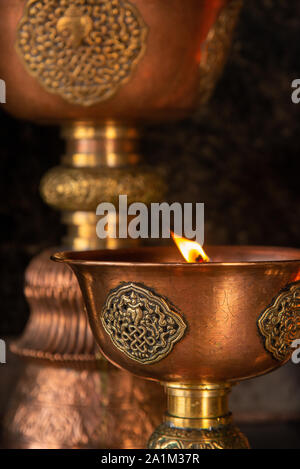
68, 395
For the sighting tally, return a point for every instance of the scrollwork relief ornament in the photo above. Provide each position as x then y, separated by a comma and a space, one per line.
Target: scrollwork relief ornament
279, 324
82, 50
141, 324
225, 437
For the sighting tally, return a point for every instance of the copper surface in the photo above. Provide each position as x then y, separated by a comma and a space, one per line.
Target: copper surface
62, 407
165, 82
220, 301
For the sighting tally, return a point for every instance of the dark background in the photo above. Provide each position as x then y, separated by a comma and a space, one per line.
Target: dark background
239, 155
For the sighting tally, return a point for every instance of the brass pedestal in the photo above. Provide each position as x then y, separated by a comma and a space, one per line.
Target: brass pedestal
68, 395
198, 418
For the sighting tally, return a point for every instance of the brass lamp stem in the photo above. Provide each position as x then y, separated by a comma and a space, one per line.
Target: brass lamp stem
101, 163
197, 418
91, 148
197, 406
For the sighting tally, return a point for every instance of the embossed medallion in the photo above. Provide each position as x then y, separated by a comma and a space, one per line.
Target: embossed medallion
141, 324
83, 50
279, 324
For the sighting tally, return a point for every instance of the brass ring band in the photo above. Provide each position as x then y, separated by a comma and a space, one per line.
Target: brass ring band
205, 423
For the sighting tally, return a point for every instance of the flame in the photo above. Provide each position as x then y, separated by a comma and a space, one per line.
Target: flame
191, 251
297, 277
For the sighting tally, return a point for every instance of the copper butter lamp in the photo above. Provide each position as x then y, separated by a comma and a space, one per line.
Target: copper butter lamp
195, 328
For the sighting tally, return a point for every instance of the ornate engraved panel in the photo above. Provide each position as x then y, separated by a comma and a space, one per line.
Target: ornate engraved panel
227, 437
83, 50
68, 188
141, 324
279, 324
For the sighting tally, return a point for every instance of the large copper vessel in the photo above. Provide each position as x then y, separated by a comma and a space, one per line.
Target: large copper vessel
195, 328
98, 68
114, 59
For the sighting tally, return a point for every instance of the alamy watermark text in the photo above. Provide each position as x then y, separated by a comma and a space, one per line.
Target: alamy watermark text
2, 351
138, 221
2, 92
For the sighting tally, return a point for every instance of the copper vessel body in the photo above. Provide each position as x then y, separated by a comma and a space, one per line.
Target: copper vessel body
177, 56
221, 303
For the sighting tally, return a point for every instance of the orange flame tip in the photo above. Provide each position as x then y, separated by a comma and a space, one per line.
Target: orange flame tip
191, 250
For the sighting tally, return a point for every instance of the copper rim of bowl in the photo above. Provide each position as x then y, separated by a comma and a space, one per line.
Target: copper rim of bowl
86, 257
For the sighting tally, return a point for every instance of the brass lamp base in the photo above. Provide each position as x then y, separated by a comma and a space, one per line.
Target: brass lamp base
198, 418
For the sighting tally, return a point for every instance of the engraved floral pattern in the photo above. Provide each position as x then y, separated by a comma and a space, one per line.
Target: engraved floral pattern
83, 50
280, 323
141, 324
226, 437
